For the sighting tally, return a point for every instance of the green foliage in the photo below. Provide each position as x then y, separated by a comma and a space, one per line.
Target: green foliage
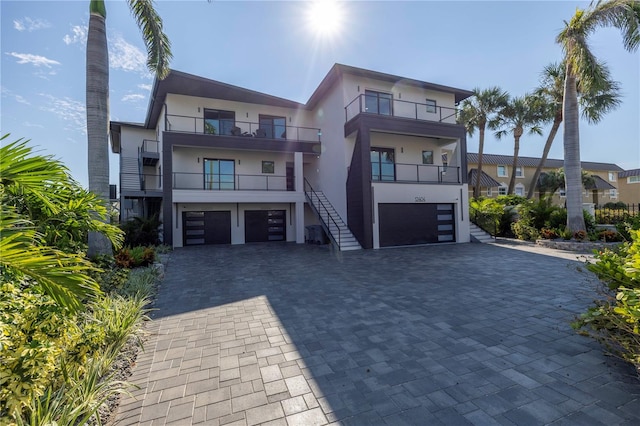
109, 276
486, 213
610, 236
549, 233
135, 257
580, 235
141, 283
619, 205
631, 223
510, 200
615, 320
525, 232
141, 231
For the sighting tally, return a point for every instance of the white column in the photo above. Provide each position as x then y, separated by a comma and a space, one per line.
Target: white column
299, 182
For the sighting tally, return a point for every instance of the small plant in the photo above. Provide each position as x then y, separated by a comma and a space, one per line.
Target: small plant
135, 257
524, 231
580, 235
609, 236
566, 234
548, 234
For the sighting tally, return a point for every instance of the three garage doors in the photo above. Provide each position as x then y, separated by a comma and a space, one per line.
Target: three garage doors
214, 227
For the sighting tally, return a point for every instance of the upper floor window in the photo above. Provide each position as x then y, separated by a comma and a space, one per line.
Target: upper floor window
633, 179
219, 174
383, 164
502, 171
612, 176
519, 172
217, 122
378, 102
272, 127
432, 105
427, 157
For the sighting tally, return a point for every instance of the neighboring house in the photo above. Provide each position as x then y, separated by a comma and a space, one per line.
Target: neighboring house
377, 159
604, 188
629, 186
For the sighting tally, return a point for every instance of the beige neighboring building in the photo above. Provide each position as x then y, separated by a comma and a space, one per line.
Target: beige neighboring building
498, 169
629, 186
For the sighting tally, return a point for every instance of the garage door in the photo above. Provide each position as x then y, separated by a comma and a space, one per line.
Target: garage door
410, 224
264, 225
206, 228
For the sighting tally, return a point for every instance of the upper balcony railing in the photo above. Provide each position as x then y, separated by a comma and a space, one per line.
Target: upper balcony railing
232, 182
416, 173
149, 145
373, 104
190, 124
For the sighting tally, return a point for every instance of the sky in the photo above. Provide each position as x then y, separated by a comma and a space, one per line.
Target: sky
275, 48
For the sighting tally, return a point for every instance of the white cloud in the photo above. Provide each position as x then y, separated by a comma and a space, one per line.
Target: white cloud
35, 60
22, 100
18, 98
133, 97
126, 57
28, 24
68, 109
144, 87
79, 35
30, 124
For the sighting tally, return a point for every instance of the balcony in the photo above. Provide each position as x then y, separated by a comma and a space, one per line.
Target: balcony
415, 173
241, 129
232, 182
387, 106
149, 152
134, 182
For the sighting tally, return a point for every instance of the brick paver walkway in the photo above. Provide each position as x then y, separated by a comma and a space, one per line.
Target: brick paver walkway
451, 334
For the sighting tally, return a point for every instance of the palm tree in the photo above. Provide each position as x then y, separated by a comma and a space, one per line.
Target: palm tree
158, 57
520, 113
25, 257
595, 104
582, 65
476, 113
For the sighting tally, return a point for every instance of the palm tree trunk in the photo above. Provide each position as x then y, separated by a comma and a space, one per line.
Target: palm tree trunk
97, 121
516, 150
572, 167
545, 152
476, 188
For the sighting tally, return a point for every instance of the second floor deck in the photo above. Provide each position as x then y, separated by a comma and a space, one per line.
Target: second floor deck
386, 105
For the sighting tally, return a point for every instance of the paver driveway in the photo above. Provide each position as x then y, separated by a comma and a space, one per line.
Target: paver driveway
450, 334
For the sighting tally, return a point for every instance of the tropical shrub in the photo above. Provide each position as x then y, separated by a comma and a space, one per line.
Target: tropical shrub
615, 320
548, 234
141, 231
525, 232
610, 236
580, 235
135, 257
616, 206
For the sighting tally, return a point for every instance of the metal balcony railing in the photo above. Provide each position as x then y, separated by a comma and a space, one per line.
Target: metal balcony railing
417, 173
140, 182
232, 182
244, 129
149, 145
379, 105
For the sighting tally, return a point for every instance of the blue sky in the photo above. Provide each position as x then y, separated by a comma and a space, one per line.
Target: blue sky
269, 47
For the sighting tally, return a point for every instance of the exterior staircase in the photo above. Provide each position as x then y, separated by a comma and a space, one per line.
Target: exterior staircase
332, 223
478, 235
130, 174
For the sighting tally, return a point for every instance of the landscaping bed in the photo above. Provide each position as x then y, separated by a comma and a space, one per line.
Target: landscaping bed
577, 246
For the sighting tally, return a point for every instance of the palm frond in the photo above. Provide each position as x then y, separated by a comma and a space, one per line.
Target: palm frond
158, 45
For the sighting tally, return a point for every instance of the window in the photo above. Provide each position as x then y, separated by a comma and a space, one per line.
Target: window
489, 192
378, 102
562, 192
268, 167
272, 127
218, 122
219, 174
519, 172
502, 171
432, 106
382, 164
519, 190
633, 179
427, 157
613, 193
502, 189
612, 176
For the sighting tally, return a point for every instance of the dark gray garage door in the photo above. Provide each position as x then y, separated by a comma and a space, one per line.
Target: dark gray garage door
206, 228
410, 224
264, 225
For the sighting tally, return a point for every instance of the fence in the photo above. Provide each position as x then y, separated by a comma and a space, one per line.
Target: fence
613, 213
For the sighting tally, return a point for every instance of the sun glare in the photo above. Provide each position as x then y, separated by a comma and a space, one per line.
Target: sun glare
325, 17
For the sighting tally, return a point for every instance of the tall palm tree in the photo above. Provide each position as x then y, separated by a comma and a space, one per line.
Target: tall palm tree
476, 113
520, 113
582, 65
158, 57
595, 104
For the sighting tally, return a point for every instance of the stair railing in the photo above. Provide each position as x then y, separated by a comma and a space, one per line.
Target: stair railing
319, 208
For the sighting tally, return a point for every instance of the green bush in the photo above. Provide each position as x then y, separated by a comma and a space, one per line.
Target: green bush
141, 231
525, 232
615, 320
616, 206
135, 257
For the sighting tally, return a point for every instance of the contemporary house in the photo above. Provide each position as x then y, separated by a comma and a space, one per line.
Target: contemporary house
497, 169
376, 159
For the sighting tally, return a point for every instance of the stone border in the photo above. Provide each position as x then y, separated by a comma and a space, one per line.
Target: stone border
577, 246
